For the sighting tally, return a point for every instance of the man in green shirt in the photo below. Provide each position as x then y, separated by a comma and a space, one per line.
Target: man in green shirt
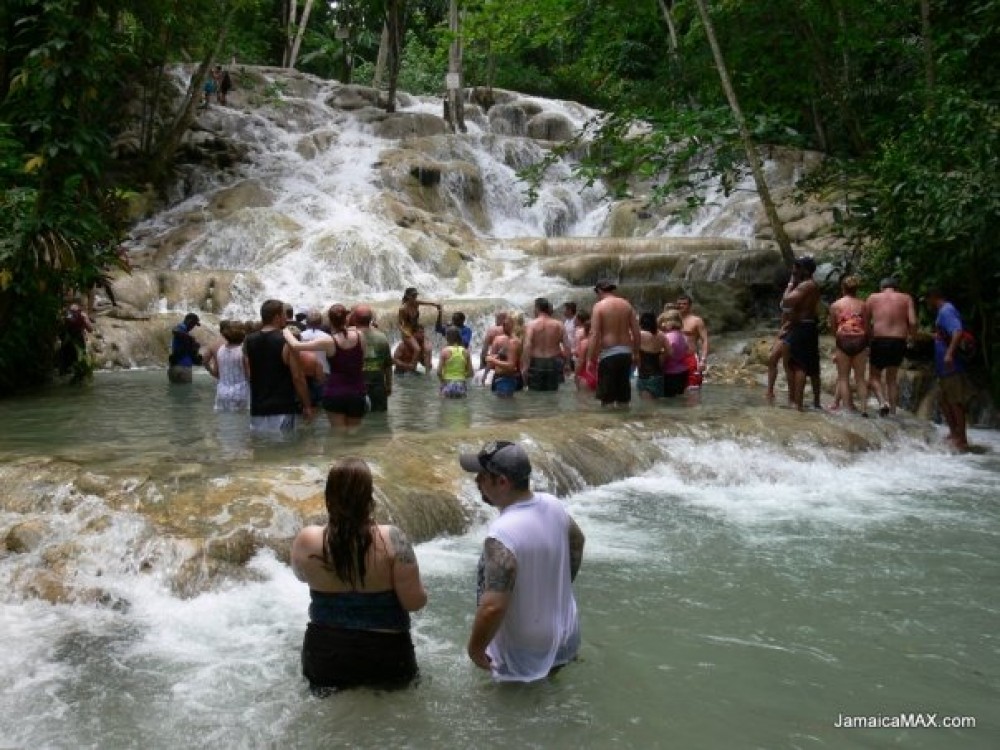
378, 359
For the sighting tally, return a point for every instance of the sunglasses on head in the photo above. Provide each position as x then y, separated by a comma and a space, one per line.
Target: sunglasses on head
490, 450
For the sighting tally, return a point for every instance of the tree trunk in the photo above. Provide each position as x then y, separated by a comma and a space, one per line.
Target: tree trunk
383, 57
164, 151
456, 103
837, 88
303, 21
394, 21
671, 28
289, 21
751, 149
928, 43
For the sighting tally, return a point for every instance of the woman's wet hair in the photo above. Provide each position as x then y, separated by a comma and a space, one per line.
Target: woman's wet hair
337, 315
453, 336
850, 284
350, 505
647, 322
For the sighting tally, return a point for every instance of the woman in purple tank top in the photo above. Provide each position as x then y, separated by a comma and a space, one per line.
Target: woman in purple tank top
675, 367
344, 398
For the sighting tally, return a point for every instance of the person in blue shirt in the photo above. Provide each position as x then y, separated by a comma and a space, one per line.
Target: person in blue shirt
184, 350
457, 321
954, 389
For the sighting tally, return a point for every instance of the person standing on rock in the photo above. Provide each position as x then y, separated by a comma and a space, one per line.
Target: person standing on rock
614, 344
893, 319
544, 355
696, 331
849, 322
799, 301
225, 83
408, 315
526, 624
184, 350
275, 374
954, 389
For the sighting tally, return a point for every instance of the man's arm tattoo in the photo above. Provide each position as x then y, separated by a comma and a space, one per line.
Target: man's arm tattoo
576, 541
501, 567
402, 547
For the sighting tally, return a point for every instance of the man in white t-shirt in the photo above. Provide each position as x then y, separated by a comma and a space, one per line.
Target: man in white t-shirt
526, 622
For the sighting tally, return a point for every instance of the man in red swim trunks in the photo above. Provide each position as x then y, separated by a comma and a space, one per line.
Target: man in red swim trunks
696, 331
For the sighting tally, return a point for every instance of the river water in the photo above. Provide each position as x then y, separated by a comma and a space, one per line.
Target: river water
736, 595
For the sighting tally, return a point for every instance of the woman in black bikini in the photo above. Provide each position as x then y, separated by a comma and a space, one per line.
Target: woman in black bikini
849, 322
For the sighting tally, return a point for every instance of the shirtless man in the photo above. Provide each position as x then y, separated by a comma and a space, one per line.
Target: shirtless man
491, 333
696, 332
412, 351
893, 319
799, 303
614, 344
544, 353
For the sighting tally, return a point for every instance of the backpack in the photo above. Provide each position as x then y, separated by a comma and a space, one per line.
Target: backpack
967, 348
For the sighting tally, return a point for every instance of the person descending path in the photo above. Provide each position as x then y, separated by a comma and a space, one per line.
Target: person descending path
893, 319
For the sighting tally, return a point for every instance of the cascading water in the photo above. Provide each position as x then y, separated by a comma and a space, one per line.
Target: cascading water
310, 217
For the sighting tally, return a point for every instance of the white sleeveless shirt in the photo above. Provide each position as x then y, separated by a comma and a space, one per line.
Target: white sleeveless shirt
541, 629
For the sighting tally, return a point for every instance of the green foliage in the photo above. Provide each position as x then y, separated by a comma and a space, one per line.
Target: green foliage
60, 224
931, 212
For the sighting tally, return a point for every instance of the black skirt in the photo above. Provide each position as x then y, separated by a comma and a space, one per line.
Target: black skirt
337, 658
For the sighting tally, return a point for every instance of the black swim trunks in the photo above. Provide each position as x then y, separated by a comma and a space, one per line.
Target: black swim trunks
803, 347
544, 373
613, 379
887, 352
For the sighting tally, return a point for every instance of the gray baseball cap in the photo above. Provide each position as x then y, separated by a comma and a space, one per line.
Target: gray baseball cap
498, 457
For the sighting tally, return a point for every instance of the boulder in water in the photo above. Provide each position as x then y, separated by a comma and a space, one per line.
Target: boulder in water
509, 119
400, 125
550, 126
27, 536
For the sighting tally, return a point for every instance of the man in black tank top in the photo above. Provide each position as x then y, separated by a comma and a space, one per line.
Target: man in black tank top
278, 390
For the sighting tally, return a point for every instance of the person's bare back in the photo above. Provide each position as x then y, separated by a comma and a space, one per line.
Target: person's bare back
613, 324
544, 337
892, 314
